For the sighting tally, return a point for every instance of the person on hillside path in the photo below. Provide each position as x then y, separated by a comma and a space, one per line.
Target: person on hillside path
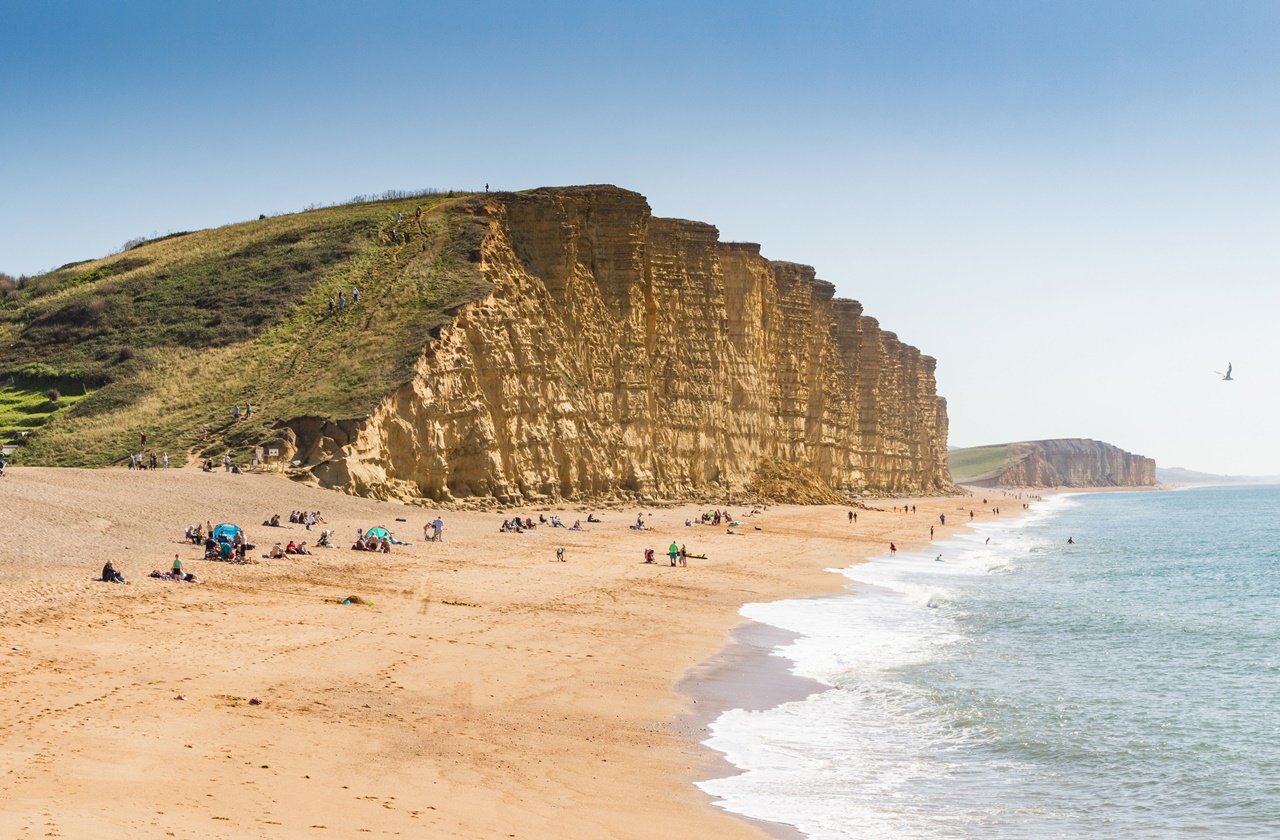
226, 462
165, 460
355, 295
342, 301
235, 411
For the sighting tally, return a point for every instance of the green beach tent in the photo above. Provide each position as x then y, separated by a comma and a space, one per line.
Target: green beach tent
377, 534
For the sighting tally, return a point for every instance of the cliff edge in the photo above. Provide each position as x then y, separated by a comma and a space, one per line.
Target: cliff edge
618, 354
503, 348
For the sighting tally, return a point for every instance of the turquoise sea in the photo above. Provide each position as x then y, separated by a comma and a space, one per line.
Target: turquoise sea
1126, 685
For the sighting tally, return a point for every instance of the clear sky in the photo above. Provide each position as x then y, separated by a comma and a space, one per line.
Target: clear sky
1074, 206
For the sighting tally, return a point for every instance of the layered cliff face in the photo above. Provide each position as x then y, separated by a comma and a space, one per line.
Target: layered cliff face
1069, 462
622, 355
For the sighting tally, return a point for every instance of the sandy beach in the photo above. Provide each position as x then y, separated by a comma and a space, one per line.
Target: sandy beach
488, 691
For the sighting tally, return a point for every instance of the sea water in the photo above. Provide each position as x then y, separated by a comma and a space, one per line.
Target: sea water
1126, 685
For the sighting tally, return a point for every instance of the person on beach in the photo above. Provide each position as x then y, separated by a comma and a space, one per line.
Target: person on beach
673, 551
942, 519
648, 556
893, 550
177, 566
437, 530
684, 556
850, 517
110, 575
930, 533
560, 554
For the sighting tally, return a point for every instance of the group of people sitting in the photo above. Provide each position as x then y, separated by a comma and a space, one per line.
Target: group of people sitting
296, 517
236, 550
519, 526
292, 548
364, 543
715, 517
301, 517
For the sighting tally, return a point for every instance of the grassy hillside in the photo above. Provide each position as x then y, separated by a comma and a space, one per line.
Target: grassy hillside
165, 337
976, 461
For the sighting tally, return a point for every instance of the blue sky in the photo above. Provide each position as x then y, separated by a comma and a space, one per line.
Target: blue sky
1072, 205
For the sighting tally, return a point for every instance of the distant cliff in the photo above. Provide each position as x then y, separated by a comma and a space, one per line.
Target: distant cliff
619, 354
1065, 462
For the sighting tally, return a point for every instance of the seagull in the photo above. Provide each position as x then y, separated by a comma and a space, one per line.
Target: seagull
1226, 377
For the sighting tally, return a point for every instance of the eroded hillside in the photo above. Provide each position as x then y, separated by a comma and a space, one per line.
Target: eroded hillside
622, 354
559, 343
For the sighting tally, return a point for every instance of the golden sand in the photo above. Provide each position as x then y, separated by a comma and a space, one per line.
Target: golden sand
488, 691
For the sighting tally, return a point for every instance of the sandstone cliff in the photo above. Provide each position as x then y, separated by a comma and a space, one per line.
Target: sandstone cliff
622, 355
1067, 462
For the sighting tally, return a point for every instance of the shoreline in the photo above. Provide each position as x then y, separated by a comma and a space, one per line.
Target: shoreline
748, 674
489, 690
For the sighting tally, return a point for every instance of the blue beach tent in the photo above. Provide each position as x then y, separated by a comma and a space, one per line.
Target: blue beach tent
226, 533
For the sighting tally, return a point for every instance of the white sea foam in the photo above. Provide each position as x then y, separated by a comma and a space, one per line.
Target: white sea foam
866, 757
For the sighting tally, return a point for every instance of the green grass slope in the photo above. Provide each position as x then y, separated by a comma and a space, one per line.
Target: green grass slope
977, 461
165, 337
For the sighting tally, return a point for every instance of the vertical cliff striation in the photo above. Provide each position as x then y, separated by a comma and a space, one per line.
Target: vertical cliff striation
622, 355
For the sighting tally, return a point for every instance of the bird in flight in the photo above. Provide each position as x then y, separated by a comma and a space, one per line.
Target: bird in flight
1226, 377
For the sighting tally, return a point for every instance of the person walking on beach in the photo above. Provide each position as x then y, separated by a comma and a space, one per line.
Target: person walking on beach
437, 530
930, 533
850, 517
942, 519
684, 556
673, 551
893, 550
